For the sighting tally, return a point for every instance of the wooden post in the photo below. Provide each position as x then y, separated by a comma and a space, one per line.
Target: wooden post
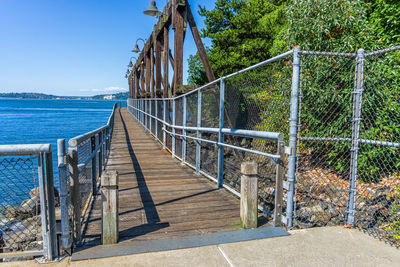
151, 72
109, 206
165, 63
280, 173
158, 65
248, 195
142, 77
75, 192
178, 51
148, 72
137, 77
199, 44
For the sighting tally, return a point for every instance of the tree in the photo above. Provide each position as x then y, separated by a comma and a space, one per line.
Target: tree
242, 32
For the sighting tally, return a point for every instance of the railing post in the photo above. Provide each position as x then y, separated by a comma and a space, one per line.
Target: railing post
43, 201
294, 107
64, 194
150, 118
221, 135
355, 136
280, 174
198, 133
93, 143
164, 120
249, 195
145, 114
184, 131
75, 192
99, 152
173, 128
155, 120
109, 207
52, 245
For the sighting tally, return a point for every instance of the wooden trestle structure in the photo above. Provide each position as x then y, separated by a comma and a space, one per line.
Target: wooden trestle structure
150, 74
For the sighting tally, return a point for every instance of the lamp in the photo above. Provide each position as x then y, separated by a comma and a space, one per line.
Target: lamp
136, 48
152, 9
130, 62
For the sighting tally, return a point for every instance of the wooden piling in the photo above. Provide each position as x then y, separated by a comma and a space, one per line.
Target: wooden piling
109, 206
248, 195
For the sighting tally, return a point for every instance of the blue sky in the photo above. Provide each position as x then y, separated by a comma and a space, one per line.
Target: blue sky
75, 47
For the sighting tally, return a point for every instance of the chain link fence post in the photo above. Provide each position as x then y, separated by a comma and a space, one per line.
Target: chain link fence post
355, 135
293, 122
198, 133
220, 134
64, 194
184, 131
173, 128
164, 120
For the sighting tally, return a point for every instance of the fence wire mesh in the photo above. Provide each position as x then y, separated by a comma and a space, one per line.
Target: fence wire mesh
323, 167
191, 121
336, 96
20, 219
348, 135
257, 100
85, 172
378, 190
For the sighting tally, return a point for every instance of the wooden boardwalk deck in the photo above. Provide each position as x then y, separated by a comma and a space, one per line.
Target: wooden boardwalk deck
158, 196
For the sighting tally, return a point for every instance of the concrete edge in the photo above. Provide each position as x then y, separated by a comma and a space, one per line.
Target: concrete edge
126, 248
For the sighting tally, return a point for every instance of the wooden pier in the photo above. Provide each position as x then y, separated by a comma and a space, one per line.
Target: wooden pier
158, 196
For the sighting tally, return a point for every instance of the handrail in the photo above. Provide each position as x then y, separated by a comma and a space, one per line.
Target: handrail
24, 150
75, 141
272, 136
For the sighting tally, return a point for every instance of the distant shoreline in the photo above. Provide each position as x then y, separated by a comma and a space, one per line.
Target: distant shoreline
40, 96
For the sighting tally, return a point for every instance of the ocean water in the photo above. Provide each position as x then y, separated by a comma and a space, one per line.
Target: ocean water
24, 121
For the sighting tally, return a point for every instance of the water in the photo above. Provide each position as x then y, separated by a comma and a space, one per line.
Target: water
24, 121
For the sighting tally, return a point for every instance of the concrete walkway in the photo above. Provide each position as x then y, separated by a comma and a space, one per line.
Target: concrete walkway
330, 246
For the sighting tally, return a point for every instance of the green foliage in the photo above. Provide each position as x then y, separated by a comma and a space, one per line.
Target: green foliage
241, 32
196, 72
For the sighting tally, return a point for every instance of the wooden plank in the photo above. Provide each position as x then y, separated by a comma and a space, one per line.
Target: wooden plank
158, 196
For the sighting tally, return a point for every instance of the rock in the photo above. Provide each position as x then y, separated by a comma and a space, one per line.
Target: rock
35, 192
30, 206
320, 215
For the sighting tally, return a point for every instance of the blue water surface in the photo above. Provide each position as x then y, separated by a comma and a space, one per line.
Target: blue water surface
25, 121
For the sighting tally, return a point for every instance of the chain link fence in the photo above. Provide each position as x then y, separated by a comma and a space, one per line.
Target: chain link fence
348, 161
20, 220
340, 117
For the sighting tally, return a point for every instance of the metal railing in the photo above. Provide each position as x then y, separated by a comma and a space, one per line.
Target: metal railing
339, 115
80, 169
198, 128
27, 202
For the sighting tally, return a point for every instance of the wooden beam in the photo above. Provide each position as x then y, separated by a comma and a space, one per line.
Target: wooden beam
158, 64
137, 77
142, 78
165, 59
199, 44
151, 72
148, 73
178, 51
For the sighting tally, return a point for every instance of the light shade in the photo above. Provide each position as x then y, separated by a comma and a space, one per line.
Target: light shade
136, 49
152, 9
